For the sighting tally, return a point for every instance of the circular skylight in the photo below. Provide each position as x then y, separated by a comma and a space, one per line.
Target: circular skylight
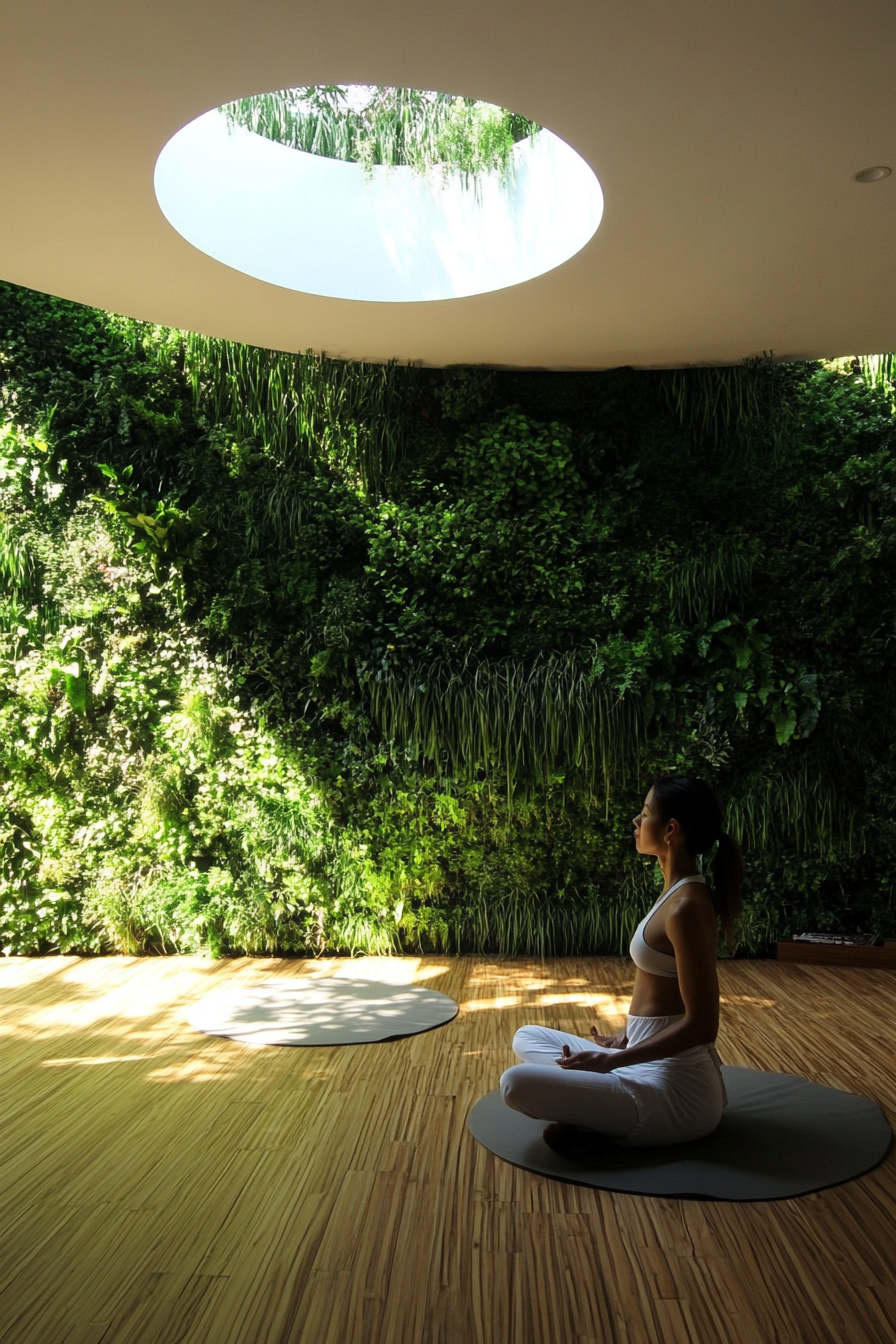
381, 231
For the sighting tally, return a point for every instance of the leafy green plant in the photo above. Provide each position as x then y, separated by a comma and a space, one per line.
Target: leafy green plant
528, 721
394, 127
717, 402
306, 408
162, 532
345, 657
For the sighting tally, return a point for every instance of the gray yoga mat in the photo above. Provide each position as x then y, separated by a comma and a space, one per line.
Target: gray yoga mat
780, 1136
321, 1012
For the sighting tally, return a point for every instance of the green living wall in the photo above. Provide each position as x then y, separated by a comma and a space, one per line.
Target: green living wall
304, 656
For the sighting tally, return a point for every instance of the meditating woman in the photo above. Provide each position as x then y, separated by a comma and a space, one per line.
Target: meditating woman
659, 1081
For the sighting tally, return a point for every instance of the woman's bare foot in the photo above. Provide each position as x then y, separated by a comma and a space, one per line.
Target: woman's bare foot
571, 1141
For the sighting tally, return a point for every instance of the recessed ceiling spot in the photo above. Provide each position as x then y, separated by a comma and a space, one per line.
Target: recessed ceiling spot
872, 174
490, 200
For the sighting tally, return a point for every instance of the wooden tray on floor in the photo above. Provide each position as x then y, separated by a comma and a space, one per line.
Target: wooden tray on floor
834, 954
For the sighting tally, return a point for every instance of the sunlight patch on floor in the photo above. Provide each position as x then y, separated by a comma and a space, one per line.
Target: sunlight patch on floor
607, 1005
736, 1000
491, 1005
92, 1059
204, 1068
380, 970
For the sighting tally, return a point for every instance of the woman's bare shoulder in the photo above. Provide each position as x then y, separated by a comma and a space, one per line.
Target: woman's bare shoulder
694, 890
691, 904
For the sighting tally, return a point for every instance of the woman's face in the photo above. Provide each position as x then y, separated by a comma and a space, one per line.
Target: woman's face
650, 829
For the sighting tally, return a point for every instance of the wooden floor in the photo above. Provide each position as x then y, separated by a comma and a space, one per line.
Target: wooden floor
159, 1186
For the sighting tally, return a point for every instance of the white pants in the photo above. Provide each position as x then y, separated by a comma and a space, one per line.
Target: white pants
670, 1100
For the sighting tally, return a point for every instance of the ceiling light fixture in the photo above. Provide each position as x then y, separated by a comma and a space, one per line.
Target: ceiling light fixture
876, 174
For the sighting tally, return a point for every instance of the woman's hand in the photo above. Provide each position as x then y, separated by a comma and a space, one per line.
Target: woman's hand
617, 1042
592, 1061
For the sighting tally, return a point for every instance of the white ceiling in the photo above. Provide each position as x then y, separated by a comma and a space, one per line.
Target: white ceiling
724, 136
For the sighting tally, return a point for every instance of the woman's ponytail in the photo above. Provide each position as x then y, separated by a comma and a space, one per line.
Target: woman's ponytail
697, 810
727, 877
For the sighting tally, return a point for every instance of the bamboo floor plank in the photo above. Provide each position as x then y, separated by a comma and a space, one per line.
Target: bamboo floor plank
161, 1187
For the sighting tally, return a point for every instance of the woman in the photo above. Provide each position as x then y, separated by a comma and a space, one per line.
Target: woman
658, 1081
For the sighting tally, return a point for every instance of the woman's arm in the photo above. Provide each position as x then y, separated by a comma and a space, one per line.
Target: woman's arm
691, 929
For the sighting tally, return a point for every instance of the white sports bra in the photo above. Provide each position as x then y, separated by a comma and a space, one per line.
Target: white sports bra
647, 958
